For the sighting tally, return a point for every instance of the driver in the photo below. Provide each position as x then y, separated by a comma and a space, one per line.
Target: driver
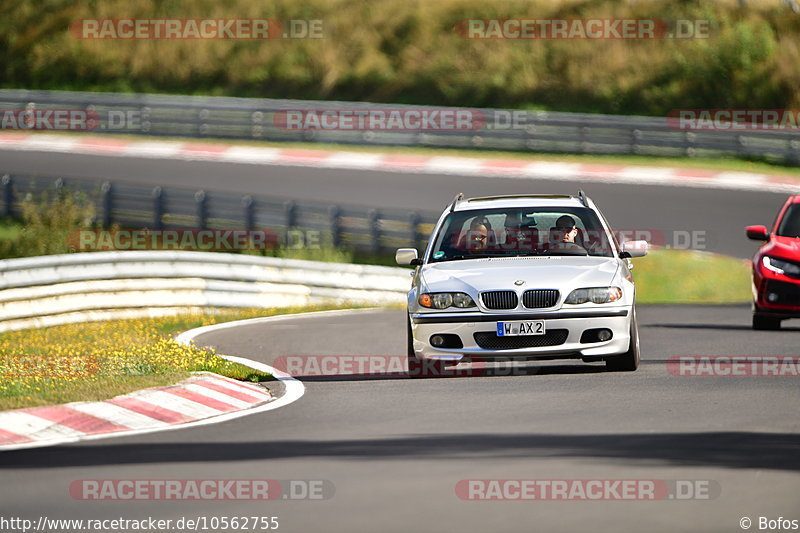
562, 237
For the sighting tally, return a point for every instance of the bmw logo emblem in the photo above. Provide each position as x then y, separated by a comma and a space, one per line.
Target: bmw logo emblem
519, 282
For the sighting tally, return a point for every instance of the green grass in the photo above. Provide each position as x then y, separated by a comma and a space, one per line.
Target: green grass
690, 277
100, 360
10, 230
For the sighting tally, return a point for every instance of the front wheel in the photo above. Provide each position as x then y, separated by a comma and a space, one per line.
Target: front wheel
761, 322
629, 361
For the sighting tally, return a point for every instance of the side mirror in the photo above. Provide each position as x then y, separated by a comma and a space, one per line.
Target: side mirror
757, 233
633, 249
407, 256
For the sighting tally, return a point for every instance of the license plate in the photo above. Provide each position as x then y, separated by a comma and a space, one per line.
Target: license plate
516, 329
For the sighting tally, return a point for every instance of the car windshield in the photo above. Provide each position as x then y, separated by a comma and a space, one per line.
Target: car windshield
511, 232
790, 223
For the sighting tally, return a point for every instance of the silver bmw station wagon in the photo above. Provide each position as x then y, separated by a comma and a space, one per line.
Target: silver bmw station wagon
522, 277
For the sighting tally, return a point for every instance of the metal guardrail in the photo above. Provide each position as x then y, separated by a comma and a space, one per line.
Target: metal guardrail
535, 131
138, 206
59, 289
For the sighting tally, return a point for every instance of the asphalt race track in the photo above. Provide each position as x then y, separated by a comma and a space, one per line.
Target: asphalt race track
391, 450
395, 448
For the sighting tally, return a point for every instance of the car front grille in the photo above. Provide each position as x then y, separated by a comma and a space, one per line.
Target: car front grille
539, 298
500, 299
488, 340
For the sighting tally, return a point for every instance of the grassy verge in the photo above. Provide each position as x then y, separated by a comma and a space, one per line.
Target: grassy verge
689, 277
99, 360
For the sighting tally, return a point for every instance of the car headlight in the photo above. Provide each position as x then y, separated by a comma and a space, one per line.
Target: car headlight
780, 267
596, 295
443, 300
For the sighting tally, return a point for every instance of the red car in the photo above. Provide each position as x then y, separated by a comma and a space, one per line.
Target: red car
776, 268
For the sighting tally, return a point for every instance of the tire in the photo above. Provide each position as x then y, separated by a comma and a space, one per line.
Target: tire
761, 322
629, 361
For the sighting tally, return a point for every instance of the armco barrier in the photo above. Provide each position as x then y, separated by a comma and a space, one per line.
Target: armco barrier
533, 131
292, 223
58, 289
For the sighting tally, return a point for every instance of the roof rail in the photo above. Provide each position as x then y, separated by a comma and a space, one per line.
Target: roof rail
458, 198
512, 196
582, 197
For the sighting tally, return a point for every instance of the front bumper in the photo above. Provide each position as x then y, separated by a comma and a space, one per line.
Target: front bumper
564, 329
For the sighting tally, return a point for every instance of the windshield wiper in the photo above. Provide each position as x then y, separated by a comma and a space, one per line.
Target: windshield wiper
459, 257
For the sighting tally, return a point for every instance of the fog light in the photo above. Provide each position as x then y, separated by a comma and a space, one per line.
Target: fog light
772, 297
446, 340
596, 335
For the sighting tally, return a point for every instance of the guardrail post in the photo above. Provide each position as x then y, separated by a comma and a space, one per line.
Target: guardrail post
689, 139
584, 145
106, 190
741, 146
335, 215
413, 222
8, 195
636, 135
158, 207
249, 215
201, 202
374, 230
793, 158
289, 214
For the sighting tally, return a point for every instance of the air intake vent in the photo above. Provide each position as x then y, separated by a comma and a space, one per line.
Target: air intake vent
540, 298
488, 340
500, 299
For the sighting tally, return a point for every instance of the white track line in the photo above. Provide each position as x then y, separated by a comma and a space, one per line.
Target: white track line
465, 166
34, 427
118, 415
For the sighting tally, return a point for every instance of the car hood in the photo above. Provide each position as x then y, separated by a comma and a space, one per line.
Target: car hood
554, 272
786, 247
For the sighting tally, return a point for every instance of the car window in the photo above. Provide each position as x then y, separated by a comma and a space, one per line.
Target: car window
790, 223
518, 232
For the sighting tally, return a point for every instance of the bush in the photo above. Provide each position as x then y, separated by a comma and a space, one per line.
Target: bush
46, 224
408, 52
